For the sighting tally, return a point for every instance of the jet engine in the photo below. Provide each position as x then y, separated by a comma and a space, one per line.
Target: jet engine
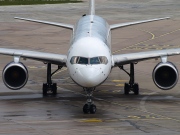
165, 75
15, 75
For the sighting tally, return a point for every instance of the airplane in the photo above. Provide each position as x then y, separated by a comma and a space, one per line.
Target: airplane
89, 59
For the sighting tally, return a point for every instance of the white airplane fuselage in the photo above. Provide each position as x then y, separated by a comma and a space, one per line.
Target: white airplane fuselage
89, 58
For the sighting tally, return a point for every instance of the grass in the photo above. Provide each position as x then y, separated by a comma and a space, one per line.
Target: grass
34, 2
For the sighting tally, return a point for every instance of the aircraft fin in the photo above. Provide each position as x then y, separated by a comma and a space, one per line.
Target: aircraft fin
92, 7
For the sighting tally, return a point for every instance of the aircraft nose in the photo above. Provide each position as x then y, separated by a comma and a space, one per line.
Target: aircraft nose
90, 77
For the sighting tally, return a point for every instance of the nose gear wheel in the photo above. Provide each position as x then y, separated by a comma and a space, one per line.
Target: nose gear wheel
89, 107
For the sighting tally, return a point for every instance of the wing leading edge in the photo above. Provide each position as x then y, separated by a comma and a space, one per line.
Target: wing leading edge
123, 59
35, 55
115, 26
63, 25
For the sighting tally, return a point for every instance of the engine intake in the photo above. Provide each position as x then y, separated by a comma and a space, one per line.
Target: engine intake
165, 75
15, 75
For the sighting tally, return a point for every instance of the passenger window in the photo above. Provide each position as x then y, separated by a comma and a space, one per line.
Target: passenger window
83, 60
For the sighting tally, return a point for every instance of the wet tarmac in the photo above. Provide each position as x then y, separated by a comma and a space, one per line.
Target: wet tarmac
154, 112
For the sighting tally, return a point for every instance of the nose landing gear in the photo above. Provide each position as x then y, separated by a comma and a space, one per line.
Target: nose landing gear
89, 107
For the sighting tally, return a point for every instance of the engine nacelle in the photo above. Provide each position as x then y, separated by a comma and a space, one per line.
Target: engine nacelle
165, 75
15, 75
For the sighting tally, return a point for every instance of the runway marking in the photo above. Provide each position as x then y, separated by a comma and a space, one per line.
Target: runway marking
91, 120
150, 113
36, 67
119, 80
65, 78
60, 71
144, 117
142, 42
133, 108
153, 36
32, 67
114, 91
134, 117
120, 85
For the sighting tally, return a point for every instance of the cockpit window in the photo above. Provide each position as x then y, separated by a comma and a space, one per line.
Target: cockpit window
74, 60
103, 60
83, 60
94, 60
79, 60
91, 61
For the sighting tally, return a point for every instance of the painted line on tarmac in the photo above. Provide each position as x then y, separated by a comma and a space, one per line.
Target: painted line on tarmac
152, 39
168, 33
60, 71
153, 35
119, 85
36, 67
114, 91
162, 117
119, 80
91, 120
144, 111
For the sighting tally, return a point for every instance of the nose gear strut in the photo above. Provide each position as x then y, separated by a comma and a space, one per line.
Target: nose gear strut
131, 86
89, 107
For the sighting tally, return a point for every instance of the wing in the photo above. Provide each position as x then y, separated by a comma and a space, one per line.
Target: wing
115, 26
68, 26
123, 59
35, 55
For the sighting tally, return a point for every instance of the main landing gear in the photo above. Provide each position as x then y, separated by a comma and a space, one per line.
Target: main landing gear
89, 107
131, 86
49, 87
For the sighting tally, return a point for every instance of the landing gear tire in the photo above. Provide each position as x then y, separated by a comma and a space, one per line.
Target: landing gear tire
89, 109
49, 89
54, 89
92, 109
86, 109
136, 89
44, 89
126, 89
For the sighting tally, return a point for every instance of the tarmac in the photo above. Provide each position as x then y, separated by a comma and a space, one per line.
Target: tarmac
153, 112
